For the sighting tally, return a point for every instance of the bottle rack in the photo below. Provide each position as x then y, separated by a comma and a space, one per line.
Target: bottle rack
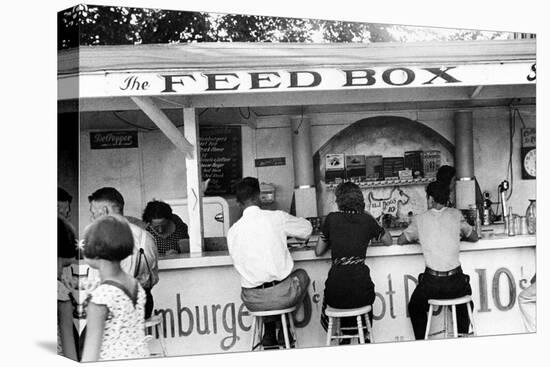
388, 183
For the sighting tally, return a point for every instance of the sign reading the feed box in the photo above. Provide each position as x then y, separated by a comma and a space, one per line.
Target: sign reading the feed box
187, 82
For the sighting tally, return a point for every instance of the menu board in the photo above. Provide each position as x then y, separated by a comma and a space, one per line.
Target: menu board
221, 158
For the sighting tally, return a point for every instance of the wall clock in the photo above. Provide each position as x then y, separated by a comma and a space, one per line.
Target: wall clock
529, 163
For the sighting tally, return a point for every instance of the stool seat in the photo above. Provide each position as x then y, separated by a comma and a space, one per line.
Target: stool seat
334, 315
347, 312
153, 321
272, 312
450, 301
446, 304
258, 326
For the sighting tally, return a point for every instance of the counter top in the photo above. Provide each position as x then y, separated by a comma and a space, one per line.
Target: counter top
222, 258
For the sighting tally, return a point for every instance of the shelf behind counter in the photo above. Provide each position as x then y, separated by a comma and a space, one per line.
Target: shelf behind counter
307, 253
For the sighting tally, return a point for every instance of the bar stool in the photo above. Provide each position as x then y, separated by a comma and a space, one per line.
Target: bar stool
452, 303
258, 326
155, 321
337, 313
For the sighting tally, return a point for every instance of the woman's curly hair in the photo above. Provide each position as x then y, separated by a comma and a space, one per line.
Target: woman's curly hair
349, 197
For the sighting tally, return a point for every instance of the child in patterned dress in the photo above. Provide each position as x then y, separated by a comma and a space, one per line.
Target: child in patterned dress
116, 307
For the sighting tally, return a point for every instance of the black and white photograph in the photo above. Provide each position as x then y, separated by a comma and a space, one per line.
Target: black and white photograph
279, 186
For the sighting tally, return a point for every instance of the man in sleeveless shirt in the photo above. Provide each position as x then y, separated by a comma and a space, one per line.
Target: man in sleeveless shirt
439, 231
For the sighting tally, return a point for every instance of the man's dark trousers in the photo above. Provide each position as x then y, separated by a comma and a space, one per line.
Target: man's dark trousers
436, 287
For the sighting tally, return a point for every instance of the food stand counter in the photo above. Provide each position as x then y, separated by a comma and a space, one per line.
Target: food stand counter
199, 297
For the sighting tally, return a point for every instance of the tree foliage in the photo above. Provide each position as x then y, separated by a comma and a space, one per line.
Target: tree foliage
111, 25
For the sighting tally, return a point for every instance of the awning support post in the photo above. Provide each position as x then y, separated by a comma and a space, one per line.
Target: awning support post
148, 106
194, 182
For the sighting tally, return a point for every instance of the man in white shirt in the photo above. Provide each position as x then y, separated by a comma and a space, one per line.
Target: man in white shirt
439, 231
143, 263
257, 243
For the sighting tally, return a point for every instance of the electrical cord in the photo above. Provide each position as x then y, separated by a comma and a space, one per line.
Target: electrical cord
242, 115
521, 118
512, 131
115, 113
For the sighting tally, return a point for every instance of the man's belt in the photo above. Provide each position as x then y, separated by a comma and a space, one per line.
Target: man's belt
437, 273
269, 284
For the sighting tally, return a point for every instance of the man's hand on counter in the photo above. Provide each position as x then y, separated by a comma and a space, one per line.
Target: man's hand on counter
402, 239
311, 241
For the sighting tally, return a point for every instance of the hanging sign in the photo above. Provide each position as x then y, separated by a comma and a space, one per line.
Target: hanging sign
268, 162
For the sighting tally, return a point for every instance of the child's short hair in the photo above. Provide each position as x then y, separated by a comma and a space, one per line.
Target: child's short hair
66, 240
109, 238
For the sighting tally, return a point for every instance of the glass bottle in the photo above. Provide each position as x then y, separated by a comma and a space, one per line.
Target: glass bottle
510, 223
531, 215
478, 223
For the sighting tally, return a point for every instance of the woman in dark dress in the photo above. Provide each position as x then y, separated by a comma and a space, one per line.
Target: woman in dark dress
348, 233
166, 227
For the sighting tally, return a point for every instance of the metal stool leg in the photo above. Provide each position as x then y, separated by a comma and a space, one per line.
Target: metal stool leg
260, 322
158, 329
471, 317
329, 330
445, 321
455, 326
360, 330
161, 340
253, 328
285, 331
162, 346
429, 323
369, 328
293, 330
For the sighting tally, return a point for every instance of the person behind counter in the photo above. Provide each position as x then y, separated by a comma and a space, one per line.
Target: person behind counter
166, 227
257, 244
439, 231
116, 308
447, 175
143, 261
348, 234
